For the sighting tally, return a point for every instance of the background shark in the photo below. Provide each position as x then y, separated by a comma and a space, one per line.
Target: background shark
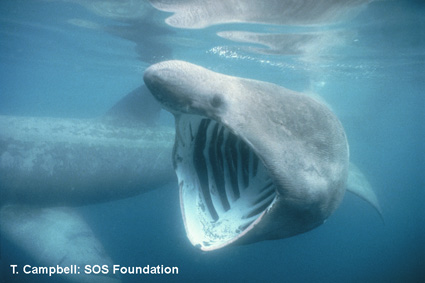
48, 163
75, 161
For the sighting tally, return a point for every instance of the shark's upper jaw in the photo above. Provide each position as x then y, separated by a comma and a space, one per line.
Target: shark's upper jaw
224, 186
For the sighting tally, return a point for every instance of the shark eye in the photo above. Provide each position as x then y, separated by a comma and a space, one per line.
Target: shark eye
216, 101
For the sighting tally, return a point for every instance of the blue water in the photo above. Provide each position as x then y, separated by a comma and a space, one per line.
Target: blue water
374, 82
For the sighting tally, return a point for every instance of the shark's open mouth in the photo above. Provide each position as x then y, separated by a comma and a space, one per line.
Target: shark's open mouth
224, 186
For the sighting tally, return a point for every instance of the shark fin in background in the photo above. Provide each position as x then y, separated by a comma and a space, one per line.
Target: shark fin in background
55, 236
359, 185
138, 106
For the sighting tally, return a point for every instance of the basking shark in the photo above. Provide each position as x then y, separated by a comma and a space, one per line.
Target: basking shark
48, 165
254, 161
56, 161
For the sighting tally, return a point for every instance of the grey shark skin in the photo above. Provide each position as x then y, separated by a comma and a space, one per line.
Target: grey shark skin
50, 162
55, 161
254, 161
56, 236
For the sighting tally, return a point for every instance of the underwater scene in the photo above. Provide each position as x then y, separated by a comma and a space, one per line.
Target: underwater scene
212, 141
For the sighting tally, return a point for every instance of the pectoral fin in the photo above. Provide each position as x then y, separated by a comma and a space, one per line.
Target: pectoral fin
359, 185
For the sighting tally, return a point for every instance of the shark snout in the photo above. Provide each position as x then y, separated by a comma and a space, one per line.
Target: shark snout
175, 84
163, 83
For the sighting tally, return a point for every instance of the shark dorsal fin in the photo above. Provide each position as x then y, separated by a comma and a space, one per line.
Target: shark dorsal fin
137, 107
359, 185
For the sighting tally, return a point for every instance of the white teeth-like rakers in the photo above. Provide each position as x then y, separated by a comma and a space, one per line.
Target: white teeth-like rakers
234, 187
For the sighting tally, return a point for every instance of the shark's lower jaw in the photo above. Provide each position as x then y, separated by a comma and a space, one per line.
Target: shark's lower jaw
224, 187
